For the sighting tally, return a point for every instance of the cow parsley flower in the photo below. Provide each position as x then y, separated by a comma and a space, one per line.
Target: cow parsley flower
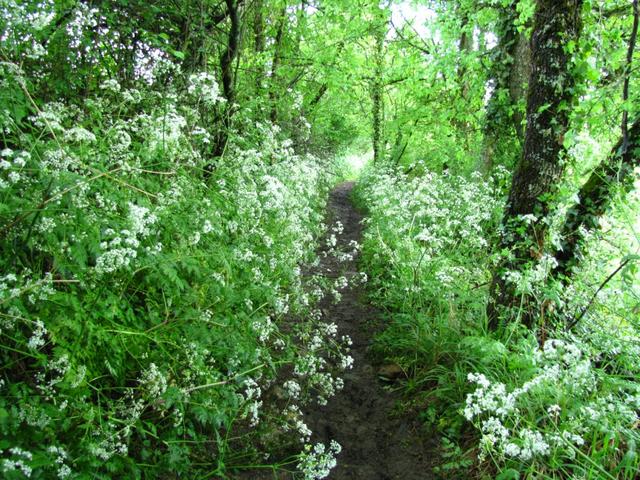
79, 135
292, 388
153, 381
37, 339
203, 86
316, 462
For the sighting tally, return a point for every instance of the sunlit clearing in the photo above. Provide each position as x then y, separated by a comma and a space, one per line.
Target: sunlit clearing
357, 160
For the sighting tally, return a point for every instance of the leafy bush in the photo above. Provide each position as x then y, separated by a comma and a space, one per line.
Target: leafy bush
547, 404
143, 301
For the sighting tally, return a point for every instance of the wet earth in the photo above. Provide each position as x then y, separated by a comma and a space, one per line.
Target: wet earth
378, 442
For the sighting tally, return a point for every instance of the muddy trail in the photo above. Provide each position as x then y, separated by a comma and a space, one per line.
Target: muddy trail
377, 443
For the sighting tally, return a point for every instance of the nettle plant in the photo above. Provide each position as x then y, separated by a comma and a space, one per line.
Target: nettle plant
142, 302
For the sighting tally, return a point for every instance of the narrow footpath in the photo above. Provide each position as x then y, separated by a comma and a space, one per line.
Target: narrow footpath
377, 442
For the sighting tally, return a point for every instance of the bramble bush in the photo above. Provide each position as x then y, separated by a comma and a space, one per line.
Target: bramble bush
563, 407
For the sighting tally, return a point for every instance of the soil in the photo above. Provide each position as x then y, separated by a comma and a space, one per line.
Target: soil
379, 441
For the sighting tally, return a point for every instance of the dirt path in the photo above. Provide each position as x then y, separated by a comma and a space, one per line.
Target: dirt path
377, 442
376, 445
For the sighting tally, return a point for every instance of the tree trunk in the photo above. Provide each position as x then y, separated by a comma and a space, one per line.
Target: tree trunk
551, 86
518, 77
510, 72
594, 198
258, 36
229, 55
377, 101
465, 46
228, 84
277, 52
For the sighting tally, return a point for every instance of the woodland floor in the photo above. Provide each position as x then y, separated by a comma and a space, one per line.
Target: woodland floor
378, 442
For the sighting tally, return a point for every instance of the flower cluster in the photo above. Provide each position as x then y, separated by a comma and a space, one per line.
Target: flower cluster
550, 413
203, 86
316, 462
538, 404
436, 226
153, 382
169, 289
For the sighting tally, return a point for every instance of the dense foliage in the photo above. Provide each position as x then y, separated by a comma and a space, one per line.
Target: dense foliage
563, 407
143, 294
164, 169
548, 381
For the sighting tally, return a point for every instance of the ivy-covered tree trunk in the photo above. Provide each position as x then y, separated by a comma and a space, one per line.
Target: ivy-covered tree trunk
615, 174
550, 95
510, 72
518, 77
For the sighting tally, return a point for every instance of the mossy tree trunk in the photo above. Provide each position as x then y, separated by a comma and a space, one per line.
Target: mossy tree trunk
510, 73
550, 95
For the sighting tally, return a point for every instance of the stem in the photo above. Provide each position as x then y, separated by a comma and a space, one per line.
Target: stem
576, 319
222, 382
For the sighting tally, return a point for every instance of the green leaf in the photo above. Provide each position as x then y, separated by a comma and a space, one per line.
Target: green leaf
509, 474
3, 416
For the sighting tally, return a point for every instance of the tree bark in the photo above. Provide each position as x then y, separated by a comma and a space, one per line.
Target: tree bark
615, 173
594, 198
465, 46
518, 78
277, 52
227, 75
511, 69
229, 55
377, 101
258, 27
551, 87
258, 36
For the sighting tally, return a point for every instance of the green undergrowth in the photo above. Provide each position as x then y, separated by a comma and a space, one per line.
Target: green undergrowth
507, 405
147, 290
